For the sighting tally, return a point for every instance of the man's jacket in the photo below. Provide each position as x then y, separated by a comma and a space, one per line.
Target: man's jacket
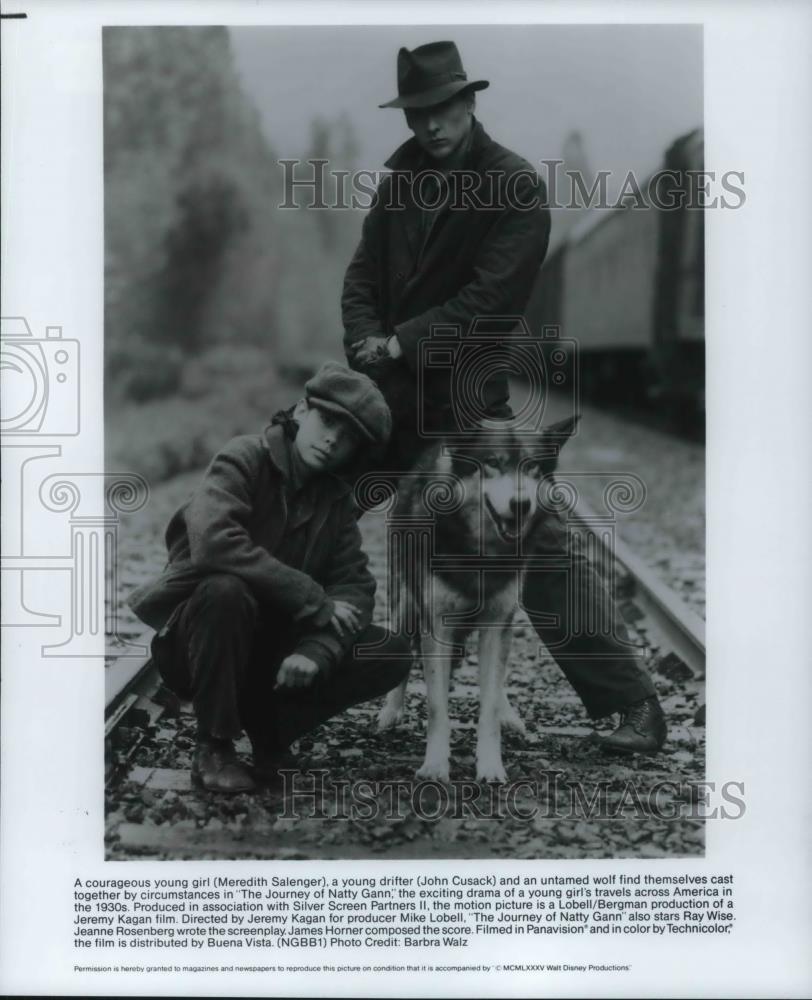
476, 262
235, 522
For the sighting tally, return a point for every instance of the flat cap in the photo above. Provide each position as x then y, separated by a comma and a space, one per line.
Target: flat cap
353, 396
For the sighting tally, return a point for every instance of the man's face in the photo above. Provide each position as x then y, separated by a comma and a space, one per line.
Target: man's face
325, 441
441, 128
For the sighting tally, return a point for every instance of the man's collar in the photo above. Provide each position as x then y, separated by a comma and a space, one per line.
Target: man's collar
409, 155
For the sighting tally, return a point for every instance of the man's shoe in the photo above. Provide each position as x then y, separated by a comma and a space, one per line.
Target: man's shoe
215, 768
642, 729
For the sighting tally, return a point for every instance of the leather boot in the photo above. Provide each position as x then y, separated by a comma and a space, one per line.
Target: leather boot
216, 768
642, 729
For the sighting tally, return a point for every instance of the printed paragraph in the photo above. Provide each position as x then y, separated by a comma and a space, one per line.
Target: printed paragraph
392, 911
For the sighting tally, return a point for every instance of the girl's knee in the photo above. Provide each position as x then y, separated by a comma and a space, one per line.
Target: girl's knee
226, 594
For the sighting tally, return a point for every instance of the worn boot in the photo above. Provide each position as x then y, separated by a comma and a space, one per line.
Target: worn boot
642, 729
216, 768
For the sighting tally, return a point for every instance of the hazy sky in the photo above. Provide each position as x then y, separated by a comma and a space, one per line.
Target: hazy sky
630, 90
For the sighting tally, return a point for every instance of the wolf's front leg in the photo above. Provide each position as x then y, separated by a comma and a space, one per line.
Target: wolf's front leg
494, 650
508, 716
403, 612
437, 671
391, 714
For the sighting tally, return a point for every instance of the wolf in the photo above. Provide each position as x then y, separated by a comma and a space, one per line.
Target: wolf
484, 494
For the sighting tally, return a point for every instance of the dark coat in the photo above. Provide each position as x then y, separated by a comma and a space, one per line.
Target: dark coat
235, 521
476, 262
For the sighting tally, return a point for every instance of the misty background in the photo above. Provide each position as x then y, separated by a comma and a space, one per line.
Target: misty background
216, 302
629, 90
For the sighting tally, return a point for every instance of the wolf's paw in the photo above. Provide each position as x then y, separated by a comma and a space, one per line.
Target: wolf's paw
434, 771
389, 717
491, 771
510, 720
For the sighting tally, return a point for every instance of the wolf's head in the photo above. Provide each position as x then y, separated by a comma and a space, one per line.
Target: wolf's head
501, 474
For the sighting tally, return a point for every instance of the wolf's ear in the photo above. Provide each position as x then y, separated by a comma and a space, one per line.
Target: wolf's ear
552, 440
562, 430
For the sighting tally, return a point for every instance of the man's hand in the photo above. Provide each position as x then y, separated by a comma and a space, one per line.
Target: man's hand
297, 671
370, 351
346, 618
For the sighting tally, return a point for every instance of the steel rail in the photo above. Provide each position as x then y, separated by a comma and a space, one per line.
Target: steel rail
127, 675
679, 627
130, 686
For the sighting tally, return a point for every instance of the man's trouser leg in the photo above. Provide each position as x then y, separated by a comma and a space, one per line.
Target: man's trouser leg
588, 639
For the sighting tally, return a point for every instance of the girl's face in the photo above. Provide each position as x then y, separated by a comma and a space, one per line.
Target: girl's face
325, 441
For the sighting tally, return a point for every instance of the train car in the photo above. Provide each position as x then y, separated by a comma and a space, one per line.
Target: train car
627, 284
678, 353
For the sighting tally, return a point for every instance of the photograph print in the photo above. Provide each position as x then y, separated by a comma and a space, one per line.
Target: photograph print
405, 370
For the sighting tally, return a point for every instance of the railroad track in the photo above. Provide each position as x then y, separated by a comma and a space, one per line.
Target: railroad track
131, 705
133, 694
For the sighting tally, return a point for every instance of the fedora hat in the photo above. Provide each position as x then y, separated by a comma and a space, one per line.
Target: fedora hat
430, 74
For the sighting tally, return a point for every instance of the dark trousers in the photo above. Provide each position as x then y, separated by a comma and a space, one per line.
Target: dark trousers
577, 619
600, 664
224, 649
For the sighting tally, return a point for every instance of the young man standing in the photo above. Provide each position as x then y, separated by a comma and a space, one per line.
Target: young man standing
457, 233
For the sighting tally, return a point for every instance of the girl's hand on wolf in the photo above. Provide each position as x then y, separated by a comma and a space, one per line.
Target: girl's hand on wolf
346, 618
296, 671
